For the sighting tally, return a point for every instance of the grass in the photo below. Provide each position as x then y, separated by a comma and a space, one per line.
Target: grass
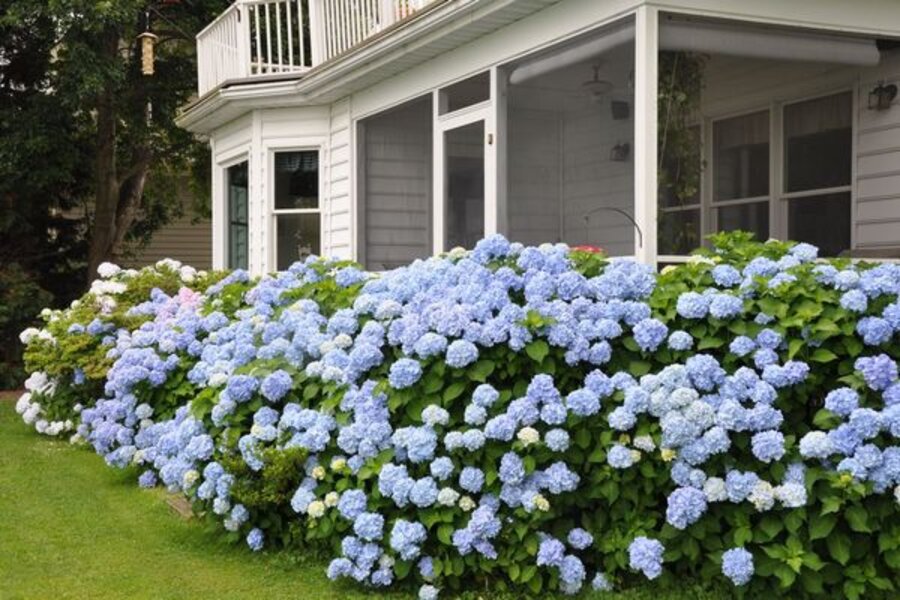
74, 528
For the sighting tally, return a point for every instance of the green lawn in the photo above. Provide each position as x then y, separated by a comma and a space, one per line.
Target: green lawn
70, 527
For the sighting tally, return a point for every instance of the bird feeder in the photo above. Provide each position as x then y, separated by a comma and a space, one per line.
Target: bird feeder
148, 42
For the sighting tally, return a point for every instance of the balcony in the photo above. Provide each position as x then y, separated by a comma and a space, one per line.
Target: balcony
254, 38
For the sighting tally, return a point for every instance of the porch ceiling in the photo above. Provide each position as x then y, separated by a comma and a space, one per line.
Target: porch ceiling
440, 28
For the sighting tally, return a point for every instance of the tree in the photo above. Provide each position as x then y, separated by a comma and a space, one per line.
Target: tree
84, 129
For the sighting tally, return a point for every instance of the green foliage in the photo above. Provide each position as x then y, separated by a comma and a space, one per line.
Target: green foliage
20, 300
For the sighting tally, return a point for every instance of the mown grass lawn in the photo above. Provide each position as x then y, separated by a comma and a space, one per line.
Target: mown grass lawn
70, 527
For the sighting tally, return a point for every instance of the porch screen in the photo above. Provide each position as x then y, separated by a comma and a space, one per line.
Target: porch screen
237, 216
395, 182
570, 163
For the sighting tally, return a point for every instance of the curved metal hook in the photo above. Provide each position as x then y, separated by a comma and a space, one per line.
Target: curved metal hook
587, 219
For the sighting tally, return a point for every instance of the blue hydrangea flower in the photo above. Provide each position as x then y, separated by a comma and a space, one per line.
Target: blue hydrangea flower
680, 340
649, 334
404, 373
620, 457
737, 565
842, 401
368, 526
646, 555
557, 440
461, 353
579, 539
255, 539
551, 552
685, 506
768, 446
471, 479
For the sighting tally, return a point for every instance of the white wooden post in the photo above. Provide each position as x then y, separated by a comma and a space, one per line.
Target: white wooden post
646, 56
387, 16
243, 40
316, 31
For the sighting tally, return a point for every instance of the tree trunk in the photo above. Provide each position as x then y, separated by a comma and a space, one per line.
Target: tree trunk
106, 196
131, 190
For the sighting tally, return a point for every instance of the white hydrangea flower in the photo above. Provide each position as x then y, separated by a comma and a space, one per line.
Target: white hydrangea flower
529, 436
172, 264
541, 503
187, 273
714, 488
190, 478
435, 415
28, 335
467, 504
318, 472
447, 496
645, 443
217, 380
762, 496
108, 269
316, 509
331, 499
23, 403
343, 341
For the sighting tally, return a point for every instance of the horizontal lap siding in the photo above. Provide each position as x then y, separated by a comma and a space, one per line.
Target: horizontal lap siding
337, 224
395, 191
878, 163
184, 240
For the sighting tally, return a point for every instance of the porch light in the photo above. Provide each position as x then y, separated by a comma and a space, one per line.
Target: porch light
882, 96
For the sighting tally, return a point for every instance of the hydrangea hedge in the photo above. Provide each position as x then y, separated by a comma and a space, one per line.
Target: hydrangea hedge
525, 418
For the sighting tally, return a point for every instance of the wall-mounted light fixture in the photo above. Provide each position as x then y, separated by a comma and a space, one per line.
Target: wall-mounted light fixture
881, 97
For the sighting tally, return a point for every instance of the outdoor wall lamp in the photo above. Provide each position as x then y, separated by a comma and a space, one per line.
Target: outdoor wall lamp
882, 96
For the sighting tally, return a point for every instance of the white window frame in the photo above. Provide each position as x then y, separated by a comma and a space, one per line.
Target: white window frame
221, 221
777, 198
274, 213
482, 112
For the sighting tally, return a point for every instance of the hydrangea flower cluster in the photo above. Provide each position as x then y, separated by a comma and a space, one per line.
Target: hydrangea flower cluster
446, 416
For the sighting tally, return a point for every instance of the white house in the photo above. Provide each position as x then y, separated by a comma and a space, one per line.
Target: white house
386, 130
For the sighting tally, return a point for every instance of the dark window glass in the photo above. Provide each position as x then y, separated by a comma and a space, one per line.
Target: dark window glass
466, 93
298, 237
741, 157
823, 221
237, 177
818, 143
297, 179
752, 217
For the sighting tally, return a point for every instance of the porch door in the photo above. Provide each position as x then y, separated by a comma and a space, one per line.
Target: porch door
464, 197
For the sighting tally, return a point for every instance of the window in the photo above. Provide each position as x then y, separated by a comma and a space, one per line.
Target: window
679, 196
740, 193
467, 92
237, 188
818, 145
296, 210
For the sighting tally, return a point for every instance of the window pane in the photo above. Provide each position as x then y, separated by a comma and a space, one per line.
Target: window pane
466, 93
741, 157
818, 143
464, 216
297, 179
821, 220
237, 216
298, 237
753, 217
679, 231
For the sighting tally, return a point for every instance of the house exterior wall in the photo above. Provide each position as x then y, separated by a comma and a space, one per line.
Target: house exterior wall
333, 128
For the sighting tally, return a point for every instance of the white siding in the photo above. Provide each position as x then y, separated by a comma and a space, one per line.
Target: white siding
878, 162
337, 225
230, 143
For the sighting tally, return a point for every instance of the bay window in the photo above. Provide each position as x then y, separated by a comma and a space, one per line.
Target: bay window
237, 215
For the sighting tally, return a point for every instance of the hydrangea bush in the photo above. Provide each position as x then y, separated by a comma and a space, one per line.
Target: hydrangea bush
528, 418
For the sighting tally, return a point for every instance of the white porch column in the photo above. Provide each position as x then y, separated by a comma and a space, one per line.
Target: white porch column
645, 159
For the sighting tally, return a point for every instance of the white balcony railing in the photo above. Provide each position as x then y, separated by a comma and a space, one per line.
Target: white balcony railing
262, 37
